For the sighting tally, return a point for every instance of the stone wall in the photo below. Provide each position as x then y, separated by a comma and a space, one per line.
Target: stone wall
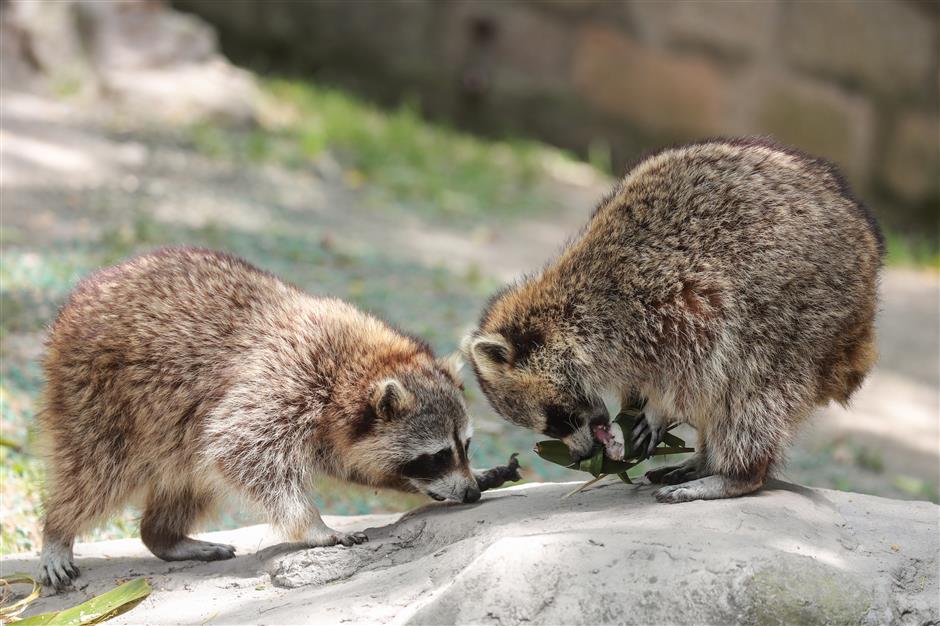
856, 82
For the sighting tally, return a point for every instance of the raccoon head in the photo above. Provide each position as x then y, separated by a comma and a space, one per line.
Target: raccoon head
418, 433
538, 382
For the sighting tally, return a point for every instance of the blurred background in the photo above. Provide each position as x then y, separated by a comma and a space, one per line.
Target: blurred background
411, 157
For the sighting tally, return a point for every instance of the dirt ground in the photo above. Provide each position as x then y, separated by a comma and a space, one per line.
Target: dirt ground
78, 189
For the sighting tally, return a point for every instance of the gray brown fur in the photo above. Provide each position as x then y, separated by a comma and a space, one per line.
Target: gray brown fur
186, 374
731, 283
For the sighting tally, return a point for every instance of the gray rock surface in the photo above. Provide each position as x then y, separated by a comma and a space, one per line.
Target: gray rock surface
610, 554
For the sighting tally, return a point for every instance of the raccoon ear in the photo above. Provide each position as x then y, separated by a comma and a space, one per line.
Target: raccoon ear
490, 351
452, 364
390, 399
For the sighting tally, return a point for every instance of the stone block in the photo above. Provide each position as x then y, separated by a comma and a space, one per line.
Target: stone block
729, 27
886, 46
732, 29
142, 35
658, 91
911, 165
517, 45
820, 119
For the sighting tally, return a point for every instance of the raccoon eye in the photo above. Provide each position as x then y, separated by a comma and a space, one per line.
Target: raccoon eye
429, 466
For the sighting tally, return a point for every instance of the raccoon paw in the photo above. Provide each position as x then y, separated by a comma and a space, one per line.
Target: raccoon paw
187, 549
675, 494
646, 435
712, 487
496, 476
335, 538
57, 570
675, 474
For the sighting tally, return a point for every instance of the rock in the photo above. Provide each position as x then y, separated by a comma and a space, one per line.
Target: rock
19, 68
819, 119
610, 554
733, 30
912, 164
150, 62
682, 95
508, 54
884, 46
214, 91
50, 43
142, 35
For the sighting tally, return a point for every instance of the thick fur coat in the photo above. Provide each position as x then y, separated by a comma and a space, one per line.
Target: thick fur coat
732, 284
184, 374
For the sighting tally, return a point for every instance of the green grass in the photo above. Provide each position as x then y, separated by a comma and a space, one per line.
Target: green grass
393, 155
912, 251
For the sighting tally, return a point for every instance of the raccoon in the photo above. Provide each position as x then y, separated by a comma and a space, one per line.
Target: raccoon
731, 284
186, 374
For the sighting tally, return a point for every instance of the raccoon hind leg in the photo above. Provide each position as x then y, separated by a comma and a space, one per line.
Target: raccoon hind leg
171, 513
692, 468
739, 450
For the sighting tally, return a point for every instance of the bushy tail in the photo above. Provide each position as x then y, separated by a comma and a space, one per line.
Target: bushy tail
853, 357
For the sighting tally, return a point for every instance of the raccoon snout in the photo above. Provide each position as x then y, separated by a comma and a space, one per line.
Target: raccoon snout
471, 494
600, 418
580, 443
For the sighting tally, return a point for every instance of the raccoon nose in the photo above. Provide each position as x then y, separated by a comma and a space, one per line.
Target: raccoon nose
471, 494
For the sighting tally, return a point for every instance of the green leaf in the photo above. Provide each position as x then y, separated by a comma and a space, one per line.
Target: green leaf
597, 463
5, 442
554, 451
96, 610
668, 450
627, 419
672, 441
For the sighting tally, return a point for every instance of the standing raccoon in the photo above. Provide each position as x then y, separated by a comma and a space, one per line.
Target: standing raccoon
185, 374
732, 284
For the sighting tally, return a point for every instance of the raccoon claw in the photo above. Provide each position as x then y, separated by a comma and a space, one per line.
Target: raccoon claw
352, 539
645, 437
512, 469
214, 552
675, 494
58, 575
56, 566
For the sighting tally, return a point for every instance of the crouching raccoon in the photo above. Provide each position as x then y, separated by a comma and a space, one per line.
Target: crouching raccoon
185, 374
732, 284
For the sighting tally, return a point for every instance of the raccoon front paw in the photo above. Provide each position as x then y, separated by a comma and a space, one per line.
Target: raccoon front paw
647, 434
58, 573
497, 476
335, 538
